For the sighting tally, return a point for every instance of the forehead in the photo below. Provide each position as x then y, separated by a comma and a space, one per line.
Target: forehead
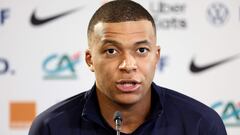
124, 28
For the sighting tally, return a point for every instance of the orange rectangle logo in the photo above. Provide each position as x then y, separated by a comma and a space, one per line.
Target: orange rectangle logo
22, 114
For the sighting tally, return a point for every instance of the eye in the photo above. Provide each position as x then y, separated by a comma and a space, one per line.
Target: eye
142, 50
111, 51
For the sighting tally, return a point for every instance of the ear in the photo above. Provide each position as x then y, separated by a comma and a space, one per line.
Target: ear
88, 60
158, 52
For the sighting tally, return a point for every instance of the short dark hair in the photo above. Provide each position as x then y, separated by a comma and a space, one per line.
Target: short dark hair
119, 11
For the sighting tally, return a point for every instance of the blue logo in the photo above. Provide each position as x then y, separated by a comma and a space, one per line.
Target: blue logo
4, 67
229, 112
61, 66
217, 14
4, 15
162, 63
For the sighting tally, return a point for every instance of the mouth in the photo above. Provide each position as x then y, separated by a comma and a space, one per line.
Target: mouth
128, 85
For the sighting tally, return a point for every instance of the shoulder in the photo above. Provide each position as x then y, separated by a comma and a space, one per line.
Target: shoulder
190, 111
185, 103
69, 108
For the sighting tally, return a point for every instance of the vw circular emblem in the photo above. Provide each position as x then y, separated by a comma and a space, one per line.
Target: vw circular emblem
217, 14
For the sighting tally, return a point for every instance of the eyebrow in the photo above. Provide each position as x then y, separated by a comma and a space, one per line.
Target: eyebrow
113, 42
108, 41
145, 42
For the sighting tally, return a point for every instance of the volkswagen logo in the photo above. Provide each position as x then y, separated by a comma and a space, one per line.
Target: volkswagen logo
217, 14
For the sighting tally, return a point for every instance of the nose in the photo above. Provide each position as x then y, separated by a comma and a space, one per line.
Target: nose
128, 64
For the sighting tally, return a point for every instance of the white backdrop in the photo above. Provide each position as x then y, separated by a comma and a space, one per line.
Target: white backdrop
42, 63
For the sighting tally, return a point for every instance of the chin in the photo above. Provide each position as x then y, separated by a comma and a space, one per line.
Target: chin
128, 100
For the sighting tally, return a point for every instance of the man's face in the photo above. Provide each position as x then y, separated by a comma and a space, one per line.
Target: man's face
123, 57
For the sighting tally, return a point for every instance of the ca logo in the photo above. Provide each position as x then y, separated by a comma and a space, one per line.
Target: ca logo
230, 112
60, 67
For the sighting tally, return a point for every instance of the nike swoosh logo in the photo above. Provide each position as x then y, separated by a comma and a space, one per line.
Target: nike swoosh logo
198, 69
36, 21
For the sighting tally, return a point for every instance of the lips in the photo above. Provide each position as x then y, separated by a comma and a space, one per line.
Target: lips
128, 85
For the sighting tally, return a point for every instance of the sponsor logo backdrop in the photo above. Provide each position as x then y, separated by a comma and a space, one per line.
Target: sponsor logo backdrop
42, 46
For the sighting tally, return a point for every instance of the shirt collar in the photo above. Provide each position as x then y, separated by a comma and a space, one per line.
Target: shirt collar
91, 110
157, 101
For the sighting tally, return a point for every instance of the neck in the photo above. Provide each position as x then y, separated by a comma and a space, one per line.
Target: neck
133, 115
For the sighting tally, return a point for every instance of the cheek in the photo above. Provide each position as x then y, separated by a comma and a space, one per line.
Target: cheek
148, 68
104, 69
147, 65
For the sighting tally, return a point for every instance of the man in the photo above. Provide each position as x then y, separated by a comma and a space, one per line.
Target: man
123, 55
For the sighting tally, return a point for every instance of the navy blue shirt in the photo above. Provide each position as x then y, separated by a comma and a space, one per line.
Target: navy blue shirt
172, 113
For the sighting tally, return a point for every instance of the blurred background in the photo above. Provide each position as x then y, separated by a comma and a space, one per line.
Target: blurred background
42, 45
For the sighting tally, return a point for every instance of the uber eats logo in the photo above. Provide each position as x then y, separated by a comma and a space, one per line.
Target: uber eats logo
229, 112
168, 15
61, 66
